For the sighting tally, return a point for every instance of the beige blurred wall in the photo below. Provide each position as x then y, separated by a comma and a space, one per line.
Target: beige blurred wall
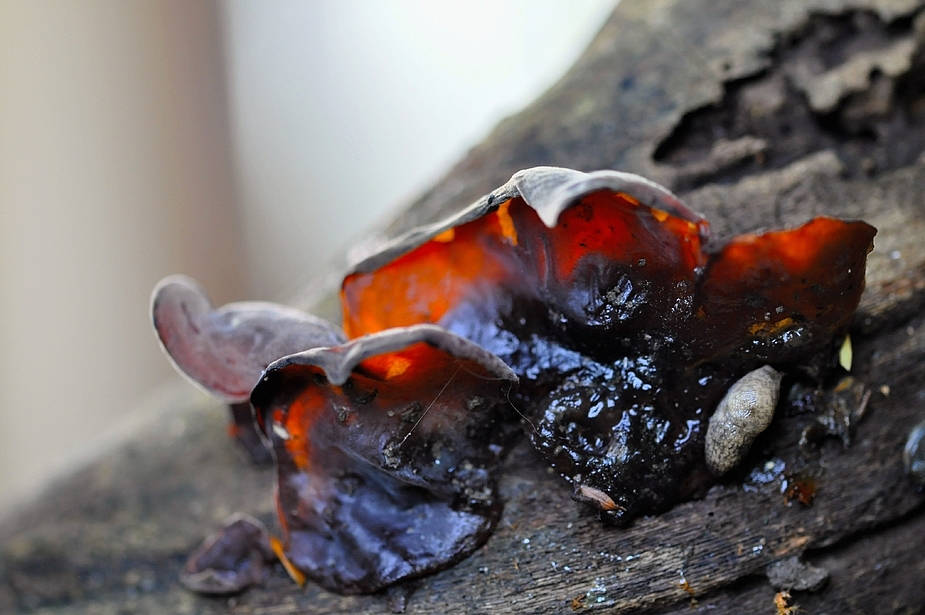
115, 170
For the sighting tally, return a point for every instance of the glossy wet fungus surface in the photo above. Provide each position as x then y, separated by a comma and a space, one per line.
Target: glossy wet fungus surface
232, 558
225, 350
625, 321
386, 447
387, 450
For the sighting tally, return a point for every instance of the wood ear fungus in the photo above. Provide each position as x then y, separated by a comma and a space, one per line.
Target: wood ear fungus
225, 350
231, 559
387, 449
625, 319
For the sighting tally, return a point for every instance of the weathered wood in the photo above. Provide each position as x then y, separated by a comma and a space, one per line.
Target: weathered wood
647, 97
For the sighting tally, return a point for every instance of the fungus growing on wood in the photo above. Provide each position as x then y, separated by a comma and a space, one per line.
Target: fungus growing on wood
386, 449
626, 320
231, 559
225, 350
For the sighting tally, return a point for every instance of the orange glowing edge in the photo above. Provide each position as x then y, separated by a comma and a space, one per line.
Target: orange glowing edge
510, 250
294, 573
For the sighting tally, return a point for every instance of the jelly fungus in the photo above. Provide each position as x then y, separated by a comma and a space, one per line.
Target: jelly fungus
625, 319
387, 449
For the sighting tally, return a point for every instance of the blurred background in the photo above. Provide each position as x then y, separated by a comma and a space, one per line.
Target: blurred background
241, 142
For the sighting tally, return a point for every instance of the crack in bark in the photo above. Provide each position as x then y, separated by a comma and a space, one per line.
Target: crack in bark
851, 83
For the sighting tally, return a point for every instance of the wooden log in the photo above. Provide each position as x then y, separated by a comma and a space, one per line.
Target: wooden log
761, 115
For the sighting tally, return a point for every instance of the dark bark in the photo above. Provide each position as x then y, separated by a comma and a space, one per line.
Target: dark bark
761, 115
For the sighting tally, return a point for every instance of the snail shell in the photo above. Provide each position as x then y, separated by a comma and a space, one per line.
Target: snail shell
745, 411
914, 453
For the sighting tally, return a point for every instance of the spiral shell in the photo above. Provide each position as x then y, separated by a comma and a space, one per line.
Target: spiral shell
745, 411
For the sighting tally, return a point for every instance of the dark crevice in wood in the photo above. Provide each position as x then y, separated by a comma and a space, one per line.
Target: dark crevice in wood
764, 121
838, 548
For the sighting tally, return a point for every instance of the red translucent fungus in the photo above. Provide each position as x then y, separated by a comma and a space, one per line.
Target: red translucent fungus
625, 320
483, 258
760, 284
386, 451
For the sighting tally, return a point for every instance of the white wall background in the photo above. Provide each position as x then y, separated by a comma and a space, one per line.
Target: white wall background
240, 142
342, 111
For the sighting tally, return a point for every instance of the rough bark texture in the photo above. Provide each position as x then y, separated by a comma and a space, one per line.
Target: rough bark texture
760, 114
